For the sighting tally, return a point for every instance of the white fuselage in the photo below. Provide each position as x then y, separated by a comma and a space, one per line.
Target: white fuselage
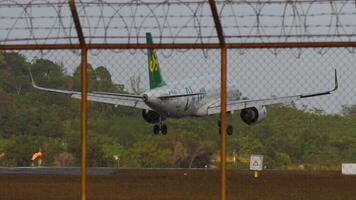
178, 107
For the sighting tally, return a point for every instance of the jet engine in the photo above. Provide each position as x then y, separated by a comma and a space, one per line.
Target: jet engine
151, 116
253, 115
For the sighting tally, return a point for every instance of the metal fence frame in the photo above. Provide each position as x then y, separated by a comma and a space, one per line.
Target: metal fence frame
222, 45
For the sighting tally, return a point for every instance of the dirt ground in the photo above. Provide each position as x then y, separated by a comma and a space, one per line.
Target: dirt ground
182, 184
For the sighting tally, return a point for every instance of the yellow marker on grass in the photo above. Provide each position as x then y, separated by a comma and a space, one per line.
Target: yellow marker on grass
255, 174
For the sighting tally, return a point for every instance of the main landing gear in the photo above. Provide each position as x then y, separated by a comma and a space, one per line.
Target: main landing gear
229, 129
160, 128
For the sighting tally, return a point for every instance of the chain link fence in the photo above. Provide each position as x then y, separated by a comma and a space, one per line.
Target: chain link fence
159, 107
252, 74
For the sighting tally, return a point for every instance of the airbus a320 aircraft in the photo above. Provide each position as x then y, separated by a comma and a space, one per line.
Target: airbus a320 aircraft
164, 100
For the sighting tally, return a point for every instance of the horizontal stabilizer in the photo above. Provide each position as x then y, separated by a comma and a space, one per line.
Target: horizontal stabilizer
118, 94
181, 95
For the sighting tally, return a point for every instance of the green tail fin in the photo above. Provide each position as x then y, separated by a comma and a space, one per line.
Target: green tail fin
153, 66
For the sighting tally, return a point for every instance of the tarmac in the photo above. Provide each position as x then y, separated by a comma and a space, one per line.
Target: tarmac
173, 184
56, 170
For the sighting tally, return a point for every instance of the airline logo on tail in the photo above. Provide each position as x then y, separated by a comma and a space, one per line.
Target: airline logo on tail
153, 66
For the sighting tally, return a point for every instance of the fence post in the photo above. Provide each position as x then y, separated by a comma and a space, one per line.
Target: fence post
223, 125
223, 74
84, 124
84, 87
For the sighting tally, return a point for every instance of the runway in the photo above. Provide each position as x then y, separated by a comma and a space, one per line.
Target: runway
56, 170
173, 184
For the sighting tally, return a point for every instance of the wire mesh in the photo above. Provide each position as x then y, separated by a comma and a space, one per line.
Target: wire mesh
268, 73
187, 71
286, 21
264, 73
35, 121
313, 133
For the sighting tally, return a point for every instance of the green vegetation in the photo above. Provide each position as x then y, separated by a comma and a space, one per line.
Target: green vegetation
33, 120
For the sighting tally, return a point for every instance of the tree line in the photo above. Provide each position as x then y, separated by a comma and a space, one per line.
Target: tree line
32, 120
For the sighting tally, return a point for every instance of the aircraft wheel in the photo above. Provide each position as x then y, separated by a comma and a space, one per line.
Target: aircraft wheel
230, 130
164, 129
156, 129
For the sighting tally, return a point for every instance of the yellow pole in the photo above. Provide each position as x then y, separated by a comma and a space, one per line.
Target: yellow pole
223, 125
255, 174
84, 125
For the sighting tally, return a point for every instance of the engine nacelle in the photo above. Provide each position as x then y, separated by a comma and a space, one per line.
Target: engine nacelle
253, 115
150, 116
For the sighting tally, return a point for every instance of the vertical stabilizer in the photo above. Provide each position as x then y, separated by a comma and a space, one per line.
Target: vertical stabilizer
153, 66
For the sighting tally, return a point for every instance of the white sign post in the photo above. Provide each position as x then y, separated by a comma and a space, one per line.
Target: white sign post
348, 168
256, 164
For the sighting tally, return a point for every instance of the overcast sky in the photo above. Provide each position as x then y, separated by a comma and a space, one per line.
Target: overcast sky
258, 73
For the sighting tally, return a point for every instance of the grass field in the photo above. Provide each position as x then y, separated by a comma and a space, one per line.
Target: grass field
182, 184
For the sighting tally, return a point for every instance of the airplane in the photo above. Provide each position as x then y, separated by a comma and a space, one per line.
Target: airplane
164, 101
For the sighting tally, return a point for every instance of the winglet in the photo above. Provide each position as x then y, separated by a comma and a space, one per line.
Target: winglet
336, 82
32, 80
47, 89
324, 93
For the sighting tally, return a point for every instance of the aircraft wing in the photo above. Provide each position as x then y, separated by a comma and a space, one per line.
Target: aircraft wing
134, 101
241, 104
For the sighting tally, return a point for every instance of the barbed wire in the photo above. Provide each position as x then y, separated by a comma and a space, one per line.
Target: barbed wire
178, 21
